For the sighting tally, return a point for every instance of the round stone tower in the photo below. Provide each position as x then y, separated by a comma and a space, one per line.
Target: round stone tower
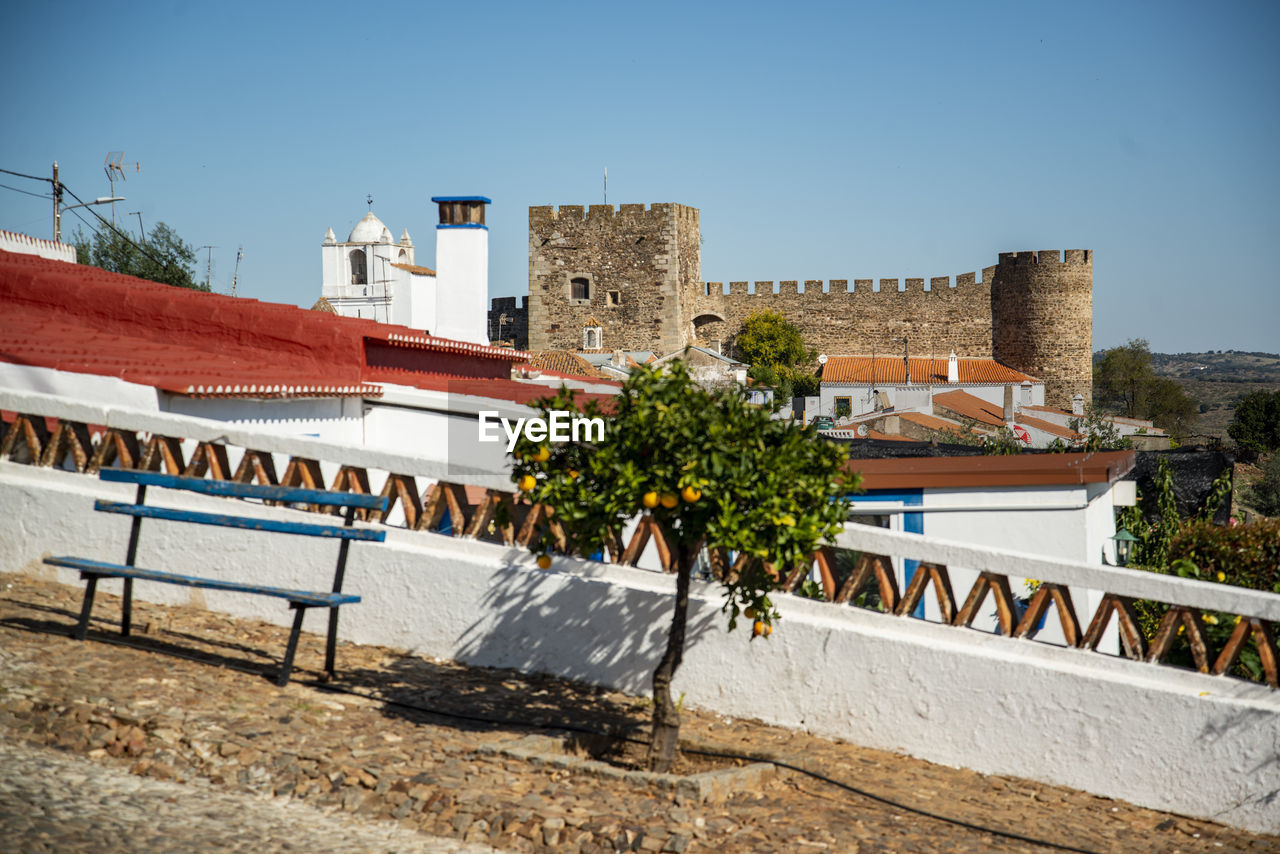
1042, 320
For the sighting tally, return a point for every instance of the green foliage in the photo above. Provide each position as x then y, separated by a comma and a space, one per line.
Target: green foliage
1244, 555
776, 351
1256, 425
762, 486
812, 590
1265, 494
1125, 383
1153, 520
768, 339
164, 257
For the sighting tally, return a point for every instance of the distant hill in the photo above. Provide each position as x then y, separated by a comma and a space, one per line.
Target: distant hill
1217, 380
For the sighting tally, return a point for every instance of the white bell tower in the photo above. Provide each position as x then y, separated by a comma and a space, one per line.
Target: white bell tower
359, 275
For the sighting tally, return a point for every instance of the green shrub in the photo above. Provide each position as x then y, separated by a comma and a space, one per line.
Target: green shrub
1246, 555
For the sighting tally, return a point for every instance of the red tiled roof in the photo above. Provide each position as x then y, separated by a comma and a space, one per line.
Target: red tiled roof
975, 471
1049, 427
892, 370
414, 268
931, 421
564, 363
968, 405
85, 320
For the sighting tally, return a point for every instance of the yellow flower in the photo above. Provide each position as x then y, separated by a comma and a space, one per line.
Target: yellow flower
1210, 619
1237, 620
1222, 576
1181, 629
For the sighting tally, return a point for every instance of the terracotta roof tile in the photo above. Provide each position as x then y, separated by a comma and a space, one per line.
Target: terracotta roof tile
563, 362
892, 369
414, 268
966, 405
1049, 427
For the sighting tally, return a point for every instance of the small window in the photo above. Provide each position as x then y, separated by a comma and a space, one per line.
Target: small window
615, 298
579, 288
591, 336
844, 407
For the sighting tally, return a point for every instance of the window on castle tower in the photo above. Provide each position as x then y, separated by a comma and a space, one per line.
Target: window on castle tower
615, 297
359, 268
579, 288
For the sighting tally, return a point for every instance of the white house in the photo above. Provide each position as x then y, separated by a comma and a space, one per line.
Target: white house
857, 385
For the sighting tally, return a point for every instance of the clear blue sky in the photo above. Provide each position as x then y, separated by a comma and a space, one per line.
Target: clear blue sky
820, 140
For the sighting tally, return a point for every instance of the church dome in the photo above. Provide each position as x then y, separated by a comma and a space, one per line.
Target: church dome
367, 230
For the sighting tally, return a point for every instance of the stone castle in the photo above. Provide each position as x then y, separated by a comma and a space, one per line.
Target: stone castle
631, 278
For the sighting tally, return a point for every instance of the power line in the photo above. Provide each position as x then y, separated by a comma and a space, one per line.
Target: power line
24, 175
28, 192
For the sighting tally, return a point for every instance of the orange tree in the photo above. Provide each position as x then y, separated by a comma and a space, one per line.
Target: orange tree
714, 472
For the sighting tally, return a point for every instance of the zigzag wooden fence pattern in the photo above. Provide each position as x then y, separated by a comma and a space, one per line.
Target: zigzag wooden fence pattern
459, 511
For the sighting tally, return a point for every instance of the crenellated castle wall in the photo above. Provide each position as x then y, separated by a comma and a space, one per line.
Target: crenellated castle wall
1032, 311
867, 316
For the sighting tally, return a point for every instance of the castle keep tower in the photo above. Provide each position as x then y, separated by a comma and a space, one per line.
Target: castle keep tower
605, 279
1042, 320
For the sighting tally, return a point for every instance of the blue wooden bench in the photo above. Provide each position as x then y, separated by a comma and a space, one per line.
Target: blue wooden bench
299, 600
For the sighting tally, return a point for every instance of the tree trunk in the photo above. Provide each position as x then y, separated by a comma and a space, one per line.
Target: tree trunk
666, 717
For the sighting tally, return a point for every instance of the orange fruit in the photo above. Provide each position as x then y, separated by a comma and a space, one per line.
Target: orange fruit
669, 500
573, 474
650, 500
750, 613
541, 455
527, 483
758, 628
544, 561
768, 630
691, 494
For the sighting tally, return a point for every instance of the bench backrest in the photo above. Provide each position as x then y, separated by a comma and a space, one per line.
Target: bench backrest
286, 494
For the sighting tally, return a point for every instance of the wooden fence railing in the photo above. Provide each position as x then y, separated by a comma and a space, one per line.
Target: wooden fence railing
61, 441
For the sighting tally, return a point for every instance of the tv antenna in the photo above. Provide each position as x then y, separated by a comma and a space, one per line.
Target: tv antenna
236, 274
114, 166
142, 231
208, 275
369, 201
606, 185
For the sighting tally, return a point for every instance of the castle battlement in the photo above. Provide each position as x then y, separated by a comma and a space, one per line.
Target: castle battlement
861, 287
570, 214
1046, 257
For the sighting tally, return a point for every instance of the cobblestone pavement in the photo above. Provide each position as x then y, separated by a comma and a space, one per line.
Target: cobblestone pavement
58, 802
189, 703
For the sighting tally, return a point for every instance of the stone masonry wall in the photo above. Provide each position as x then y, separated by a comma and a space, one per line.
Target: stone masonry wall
860, 319
509, 322
1042, 319
639, 264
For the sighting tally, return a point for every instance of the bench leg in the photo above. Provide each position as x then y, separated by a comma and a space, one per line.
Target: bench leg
331, 644
287, 667
82, 628
126, 614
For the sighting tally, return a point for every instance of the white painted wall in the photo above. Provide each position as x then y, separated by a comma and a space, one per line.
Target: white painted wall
462, 295
11, 241
86, 388
1158, 737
